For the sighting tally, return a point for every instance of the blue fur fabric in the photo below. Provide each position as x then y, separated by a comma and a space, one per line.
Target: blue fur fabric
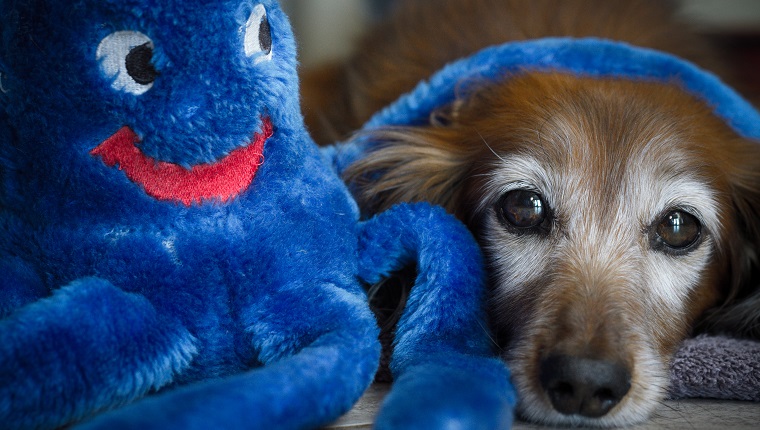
587, 57
175, 253
445, 372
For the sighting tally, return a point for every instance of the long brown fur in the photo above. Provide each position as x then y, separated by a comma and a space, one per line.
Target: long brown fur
593, 285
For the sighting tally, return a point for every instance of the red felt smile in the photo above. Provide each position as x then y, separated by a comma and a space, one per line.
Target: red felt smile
222, 180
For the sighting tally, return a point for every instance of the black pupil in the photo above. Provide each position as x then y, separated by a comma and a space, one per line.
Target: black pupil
265, 36
523, 209
678, 229
139, 66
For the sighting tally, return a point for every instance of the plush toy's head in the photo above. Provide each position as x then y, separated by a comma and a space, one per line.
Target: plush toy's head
162, 222
165, 219
196, 85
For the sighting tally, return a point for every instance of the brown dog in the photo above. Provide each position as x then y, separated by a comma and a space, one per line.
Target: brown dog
613, 214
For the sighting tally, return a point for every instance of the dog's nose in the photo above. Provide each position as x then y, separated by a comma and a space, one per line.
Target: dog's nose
583, 386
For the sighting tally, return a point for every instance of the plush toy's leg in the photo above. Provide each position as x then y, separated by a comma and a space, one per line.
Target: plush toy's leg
306, 390
445, 373
88, 347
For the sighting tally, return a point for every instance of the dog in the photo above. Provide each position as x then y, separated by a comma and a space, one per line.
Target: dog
616, 217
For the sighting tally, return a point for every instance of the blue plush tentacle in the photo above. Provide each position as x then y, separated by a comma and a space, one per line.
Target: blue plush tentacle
443, 362
50, 362
312, 388
449, 391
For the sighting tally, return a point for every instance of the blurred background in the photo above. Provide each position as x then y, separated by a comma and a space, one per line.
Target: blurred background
327, 29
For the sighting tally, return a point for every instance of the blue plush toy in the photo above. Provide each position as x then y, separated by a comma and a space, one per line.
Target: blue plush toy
170, 232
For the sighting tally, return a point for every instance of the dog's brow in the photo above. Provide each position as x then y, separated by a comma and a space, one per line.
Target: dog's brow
655, 193
516, 171
489, 146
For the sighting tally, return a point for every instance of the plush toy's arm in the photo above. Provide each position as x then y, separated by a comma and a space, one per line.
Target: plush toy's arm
445, 372
87, 346
307, 388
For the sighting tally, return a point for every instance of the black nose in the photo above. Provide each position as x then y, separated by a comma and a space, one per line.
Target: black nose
583, 386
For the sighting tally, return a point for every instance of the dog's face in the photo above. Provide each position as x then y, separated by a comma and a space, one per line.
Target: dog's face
612, 214
604, 217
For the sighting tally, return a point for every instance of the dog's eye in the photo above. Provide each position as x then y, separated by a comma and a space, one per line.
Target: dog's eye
678, 231
522, 210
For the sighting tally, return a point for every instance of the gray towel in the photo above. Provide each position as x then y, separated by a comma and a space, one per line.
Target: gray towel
716, 367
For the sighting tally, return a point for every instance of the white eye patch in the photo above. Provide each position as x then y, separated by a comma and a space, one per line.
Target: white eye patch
257, 40
125, 60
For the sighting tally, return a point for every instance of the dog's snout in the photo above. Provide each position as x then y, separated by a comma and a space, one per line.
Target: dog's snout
583, 386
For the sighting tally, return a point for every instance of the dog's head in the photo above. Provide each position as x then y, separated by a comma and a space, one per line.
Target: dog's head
612, 214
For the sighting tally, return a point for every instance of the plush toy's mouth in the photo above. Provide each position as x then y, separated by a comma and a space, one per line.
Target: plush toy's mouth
221, 180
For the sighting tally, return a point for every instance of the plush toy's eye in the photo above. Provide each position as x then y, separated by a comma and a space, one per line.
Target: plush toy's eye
258, 35
125, 59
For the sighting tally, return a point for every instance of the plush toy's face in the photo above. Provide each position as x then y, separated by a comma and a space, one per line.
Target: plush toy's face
177, 99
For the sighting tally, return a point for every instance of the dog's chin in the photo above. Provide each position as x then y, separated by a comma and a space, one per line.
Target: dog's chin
648, 388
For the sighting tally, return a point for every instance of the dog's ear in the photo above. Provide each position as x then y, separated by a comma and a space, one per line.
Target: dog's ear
412, 164
445, 115
740, 314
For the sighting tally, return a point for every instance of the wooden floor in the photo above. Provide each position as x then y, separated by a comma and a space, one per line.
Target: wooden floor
695, 414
